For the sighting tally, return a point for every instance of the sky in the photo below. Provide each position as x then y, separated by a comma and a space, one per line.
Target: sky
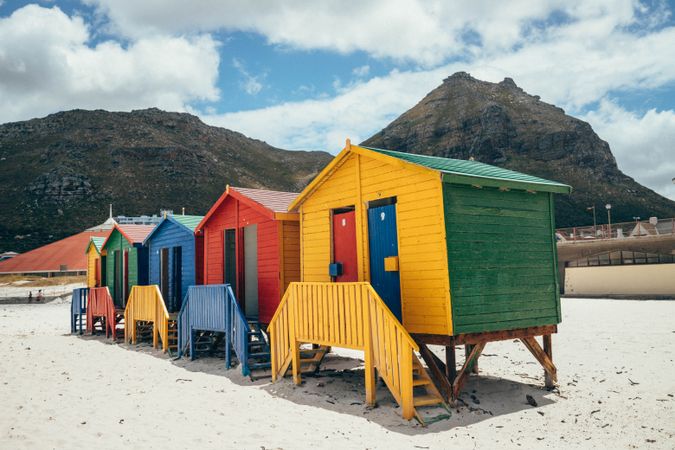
306, 75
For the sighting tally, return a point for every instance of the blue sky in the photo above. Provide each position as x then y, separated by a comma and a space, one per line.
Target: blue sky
304, 77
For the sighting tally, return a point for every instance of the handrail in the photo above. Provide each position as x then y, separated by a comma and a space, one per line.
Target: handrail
238, 332
350, 315
146, 304
101, 305
183, 325
78, 307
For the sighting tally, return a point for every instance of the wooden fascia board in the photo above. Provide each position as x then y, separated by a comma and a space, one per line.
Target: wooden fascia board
509, 184
392, 160
252, 203
295, 217
325, 173
212, 210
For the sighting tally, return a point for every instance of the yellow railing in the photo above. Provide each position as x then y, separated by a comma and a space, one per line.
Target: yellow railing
146, 304
349, 315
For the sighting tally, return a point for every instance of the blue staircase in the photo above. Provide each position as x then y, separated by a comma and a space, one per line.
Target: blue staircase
211, 318
78, 310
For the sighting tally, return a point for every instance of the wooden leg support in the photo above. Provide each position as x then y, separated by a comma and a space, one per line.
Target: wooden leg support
544, 357
450, 363
467, 352
471, 359
437, 371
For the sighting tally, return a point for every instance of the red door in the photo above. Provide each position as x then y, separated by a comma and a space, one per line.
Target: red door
344, 245
97, 273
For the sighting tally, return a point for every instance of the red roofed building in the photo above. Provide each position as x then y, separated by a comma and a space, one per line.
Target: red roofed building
64, 257
251, 241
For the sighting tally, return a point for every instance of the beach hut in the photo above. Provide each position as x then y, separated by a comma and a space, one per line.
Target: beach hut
126, 260
251, 242
175, 257
436, 250
95, 276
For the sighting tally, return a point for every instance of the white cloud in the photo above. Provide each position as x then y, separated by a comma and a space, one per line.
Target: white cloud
48, 65
325, 123
644, 145
570, 72
427, 32
250, 83
361, 71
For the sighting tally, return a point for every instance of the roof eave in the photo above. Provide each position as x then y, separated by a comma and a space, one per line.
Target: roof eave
503, 183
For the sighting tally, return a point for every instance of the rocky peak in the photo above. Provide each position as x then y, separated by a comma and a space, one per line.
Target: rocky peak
501, 124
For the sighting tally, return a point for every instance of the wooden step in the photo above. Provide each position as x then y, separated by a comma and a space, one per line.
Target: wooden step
426, 400
421, 381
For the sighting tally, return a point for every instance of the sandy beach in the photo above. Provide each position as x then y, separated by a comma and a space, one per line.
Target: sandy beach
614, 358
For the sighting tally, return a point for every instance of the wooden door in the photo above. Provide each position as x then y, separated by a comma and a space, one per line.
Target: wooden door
344, 245
230, 258
177, 277
251, 271
164, 272
382, 244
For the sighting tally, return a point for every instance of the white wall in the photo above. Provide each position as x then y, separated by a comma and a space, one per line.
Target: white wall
638, 279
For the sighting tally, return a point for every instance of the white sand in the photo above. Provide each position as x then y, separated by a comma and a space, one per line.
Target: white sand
62, 391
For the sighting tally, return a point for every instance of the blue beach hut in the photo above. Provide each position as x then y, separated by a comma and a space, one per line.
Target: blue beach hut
175, 254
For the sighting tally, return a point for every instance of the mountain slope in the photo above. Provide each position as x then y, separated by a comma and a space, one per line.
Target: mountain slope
59, 173
499, 123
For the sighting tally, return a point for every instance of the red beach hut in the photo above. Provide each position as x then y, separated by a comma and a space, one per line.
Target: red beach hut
252, 242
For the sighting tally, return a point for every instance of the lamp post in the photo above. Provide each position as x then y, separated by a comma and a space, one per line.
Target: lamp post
609, 218
595, 226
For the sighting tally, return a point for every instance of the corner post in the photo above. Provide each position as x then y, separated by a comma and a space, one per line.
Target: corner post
369, 357
548, 349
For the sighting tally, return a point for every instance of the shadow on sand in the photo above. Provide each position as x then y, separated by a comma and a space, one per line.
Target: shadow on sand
340, 387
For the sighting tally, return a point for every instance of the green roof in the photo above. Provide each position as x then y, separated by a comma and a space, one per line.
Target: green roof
98, 243
190, 222
473, 172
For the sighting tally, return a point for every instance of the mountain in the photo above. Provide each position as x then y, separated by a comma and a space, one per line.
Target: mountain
499, 123
59, 173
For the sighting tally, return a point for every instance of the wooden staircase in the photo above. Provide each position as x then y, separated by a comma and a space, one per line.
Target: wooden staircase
78, 310
101, 313
145, 304
353, 316
258, 349
172, 335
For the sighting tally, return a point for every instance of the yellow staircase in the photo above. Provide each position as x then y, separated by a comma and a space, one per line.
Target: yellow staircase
353, 316
146, 304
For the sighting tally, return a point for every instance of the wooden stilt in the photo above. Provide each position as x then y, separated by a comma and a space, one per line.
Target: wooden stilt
541, 356
436, 371
450, 363
467, 351
548, 349
475, 352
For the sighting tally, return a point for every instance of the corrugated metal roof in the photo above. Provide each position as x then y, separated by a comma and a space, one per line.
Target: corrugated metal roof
51, 257
135, 234
468, 168
275, 201
190, 222
98, 242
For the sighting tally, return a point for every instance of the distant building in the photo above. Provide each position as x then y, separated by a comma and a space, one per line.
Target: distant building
143, 220
7, 255
632, 259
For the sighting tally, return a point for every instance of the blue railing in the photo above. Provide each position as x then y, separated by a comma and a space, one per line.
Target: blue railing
239, 332
183, 325
78, 309
214, 308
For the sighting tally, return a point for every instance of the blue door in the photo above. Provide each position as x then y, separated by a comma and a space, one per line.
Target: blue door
383, 243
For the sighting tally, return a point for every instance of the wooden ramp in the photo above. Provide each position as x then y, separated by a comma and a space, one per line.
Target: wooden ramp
145, 308
78, 310
353, 316
102, 315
